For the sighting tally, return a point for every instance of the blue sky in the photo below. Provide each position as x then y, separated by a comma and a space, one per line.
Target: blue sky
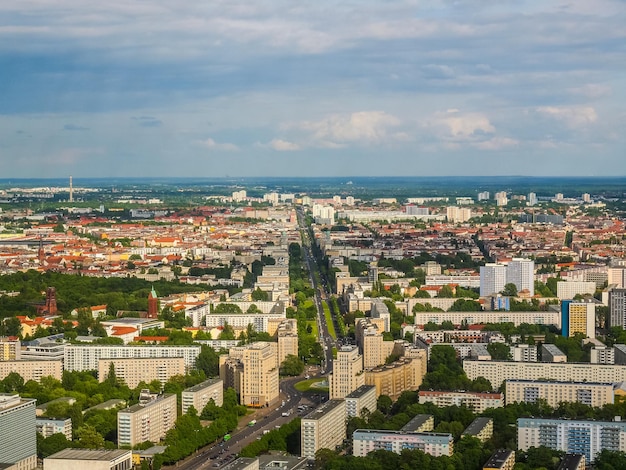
320, 88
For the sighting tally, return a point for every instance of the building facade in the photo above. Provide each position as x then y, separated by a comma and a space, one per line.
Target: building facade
49, 426
199, 395
587, 393
32, 370
18, 437
149, 420
323, 428
10, 349
347, 373
79, 459
363, 398
475, 401
365, 441
132, 371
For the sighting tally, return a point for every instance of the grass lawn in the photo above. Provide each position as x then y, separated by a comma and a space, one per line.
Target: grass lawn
329, 320
306, 386
313, 325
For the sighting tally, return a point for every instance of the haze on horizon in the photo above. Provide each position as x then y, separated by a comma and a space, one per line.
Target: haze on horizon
278, 88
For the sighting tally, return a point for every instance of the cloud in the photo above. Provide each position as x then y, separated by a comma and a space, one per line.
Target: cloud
573, 117
212, 145
283, 145
148, 121
456, 125
496, 143
364, 127
74, 127
591, 90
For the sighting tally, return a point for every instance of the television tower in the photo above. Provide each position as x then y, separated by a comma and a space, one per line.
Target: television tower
71, 190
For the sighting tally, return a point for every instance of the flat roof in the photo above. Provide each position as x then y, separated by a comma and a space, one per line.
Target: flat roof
200, 386
477, 425
139, 406
359, 392
90, 454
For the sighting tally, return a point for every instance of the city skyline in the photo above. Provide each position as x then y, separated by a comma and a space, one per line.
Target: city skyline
444, 88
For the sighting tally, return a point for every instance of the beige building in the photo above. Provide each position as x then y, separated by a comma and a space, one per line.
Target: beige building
32, 370
9, 349
80, 459
371, 344
199, 395
148, 420
252, 370
133, 371
475, 401
499, 371
347, 373
393, 379
323, 428
287, 334
481, 428
501, 459
587, 393
363, 398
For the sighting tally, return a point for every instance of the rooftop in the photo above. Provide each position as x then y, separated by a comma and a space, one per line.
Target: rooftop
200, 386
90, 454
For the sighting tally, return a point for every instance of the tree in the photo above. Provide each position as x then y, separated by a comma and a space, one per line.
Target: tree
12, 383
446, 292
89, 438
384, 403
51, 445
10, 327
208, 361
510, 290
259, 294
291, 366
499, 351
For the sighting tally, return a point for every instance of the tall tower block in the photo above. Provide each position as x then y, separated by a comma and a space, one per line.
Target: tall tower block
71, 190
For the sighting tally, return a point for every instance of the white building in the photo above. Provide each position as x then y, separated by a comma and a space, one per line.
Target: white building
521, 272
492, 278
323, 428
80, 459
566, 290
458, 214
365, 441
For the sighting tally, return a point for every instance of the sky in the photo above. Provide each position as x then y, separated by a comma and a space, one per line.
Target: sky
312, 88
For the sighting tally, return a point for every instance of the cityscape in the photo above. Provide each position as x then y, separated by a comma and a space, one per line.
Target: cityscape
229, 324
278, 235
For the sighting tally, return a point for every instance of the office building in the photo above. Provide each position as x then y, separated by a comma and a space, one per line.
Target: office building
365, 441
49, 426
572, 436
148, 420
521, 272
10, 348
80, 459
578, 317
475, 401
32, 370
18, 437
553, 393
481, 428
492, 279
252, 370
617, 308
363, 398
380, 311
347, 373
499, 371
199, 395
501, 459
323, 428
132, 371
86, 356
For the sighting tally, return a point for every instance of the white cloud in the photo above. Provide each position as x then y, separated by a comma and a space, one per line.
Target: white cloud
591, 90
461, 126
212, 145
496, 143
572, 116
283, 145
369, 127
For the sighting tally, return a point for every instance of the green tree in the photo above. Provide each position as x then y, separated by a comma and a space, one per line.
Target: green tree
89, 438
291, 366
446, 292
510, 290
499, 351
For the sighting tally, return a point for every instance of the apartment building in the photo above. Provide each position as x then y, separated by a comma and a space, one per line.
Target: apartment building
602, 355
18, 438
363, 398
572, 436
252, 370
492, 279
550, 353
149, 420
49, 426
199, 395
365, 441
578, 317
32, 370
481, 428
347, 373
567, 290
472, 318
499, 371
132, 371
393, 379
587, 393
79, 459
501, 459
287, 334
475, 401
44, 352
10, 349
86, 356
617, 307
371, 343
524, 353
323, 428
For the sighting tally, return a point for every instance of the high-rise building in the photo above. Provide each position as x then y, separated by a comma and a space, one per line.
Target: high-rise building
492, 279
458, 214
252, 370
501, 198
617, 308
572, 436
616, 277
363, 398
578, 317
149, 420
323, 428
483, 196
532, 199
521, 272
18, 435
10, 348
347, 373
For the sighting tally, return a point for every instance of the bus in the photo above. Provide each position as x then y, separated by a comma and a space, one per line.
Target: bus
226, 437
